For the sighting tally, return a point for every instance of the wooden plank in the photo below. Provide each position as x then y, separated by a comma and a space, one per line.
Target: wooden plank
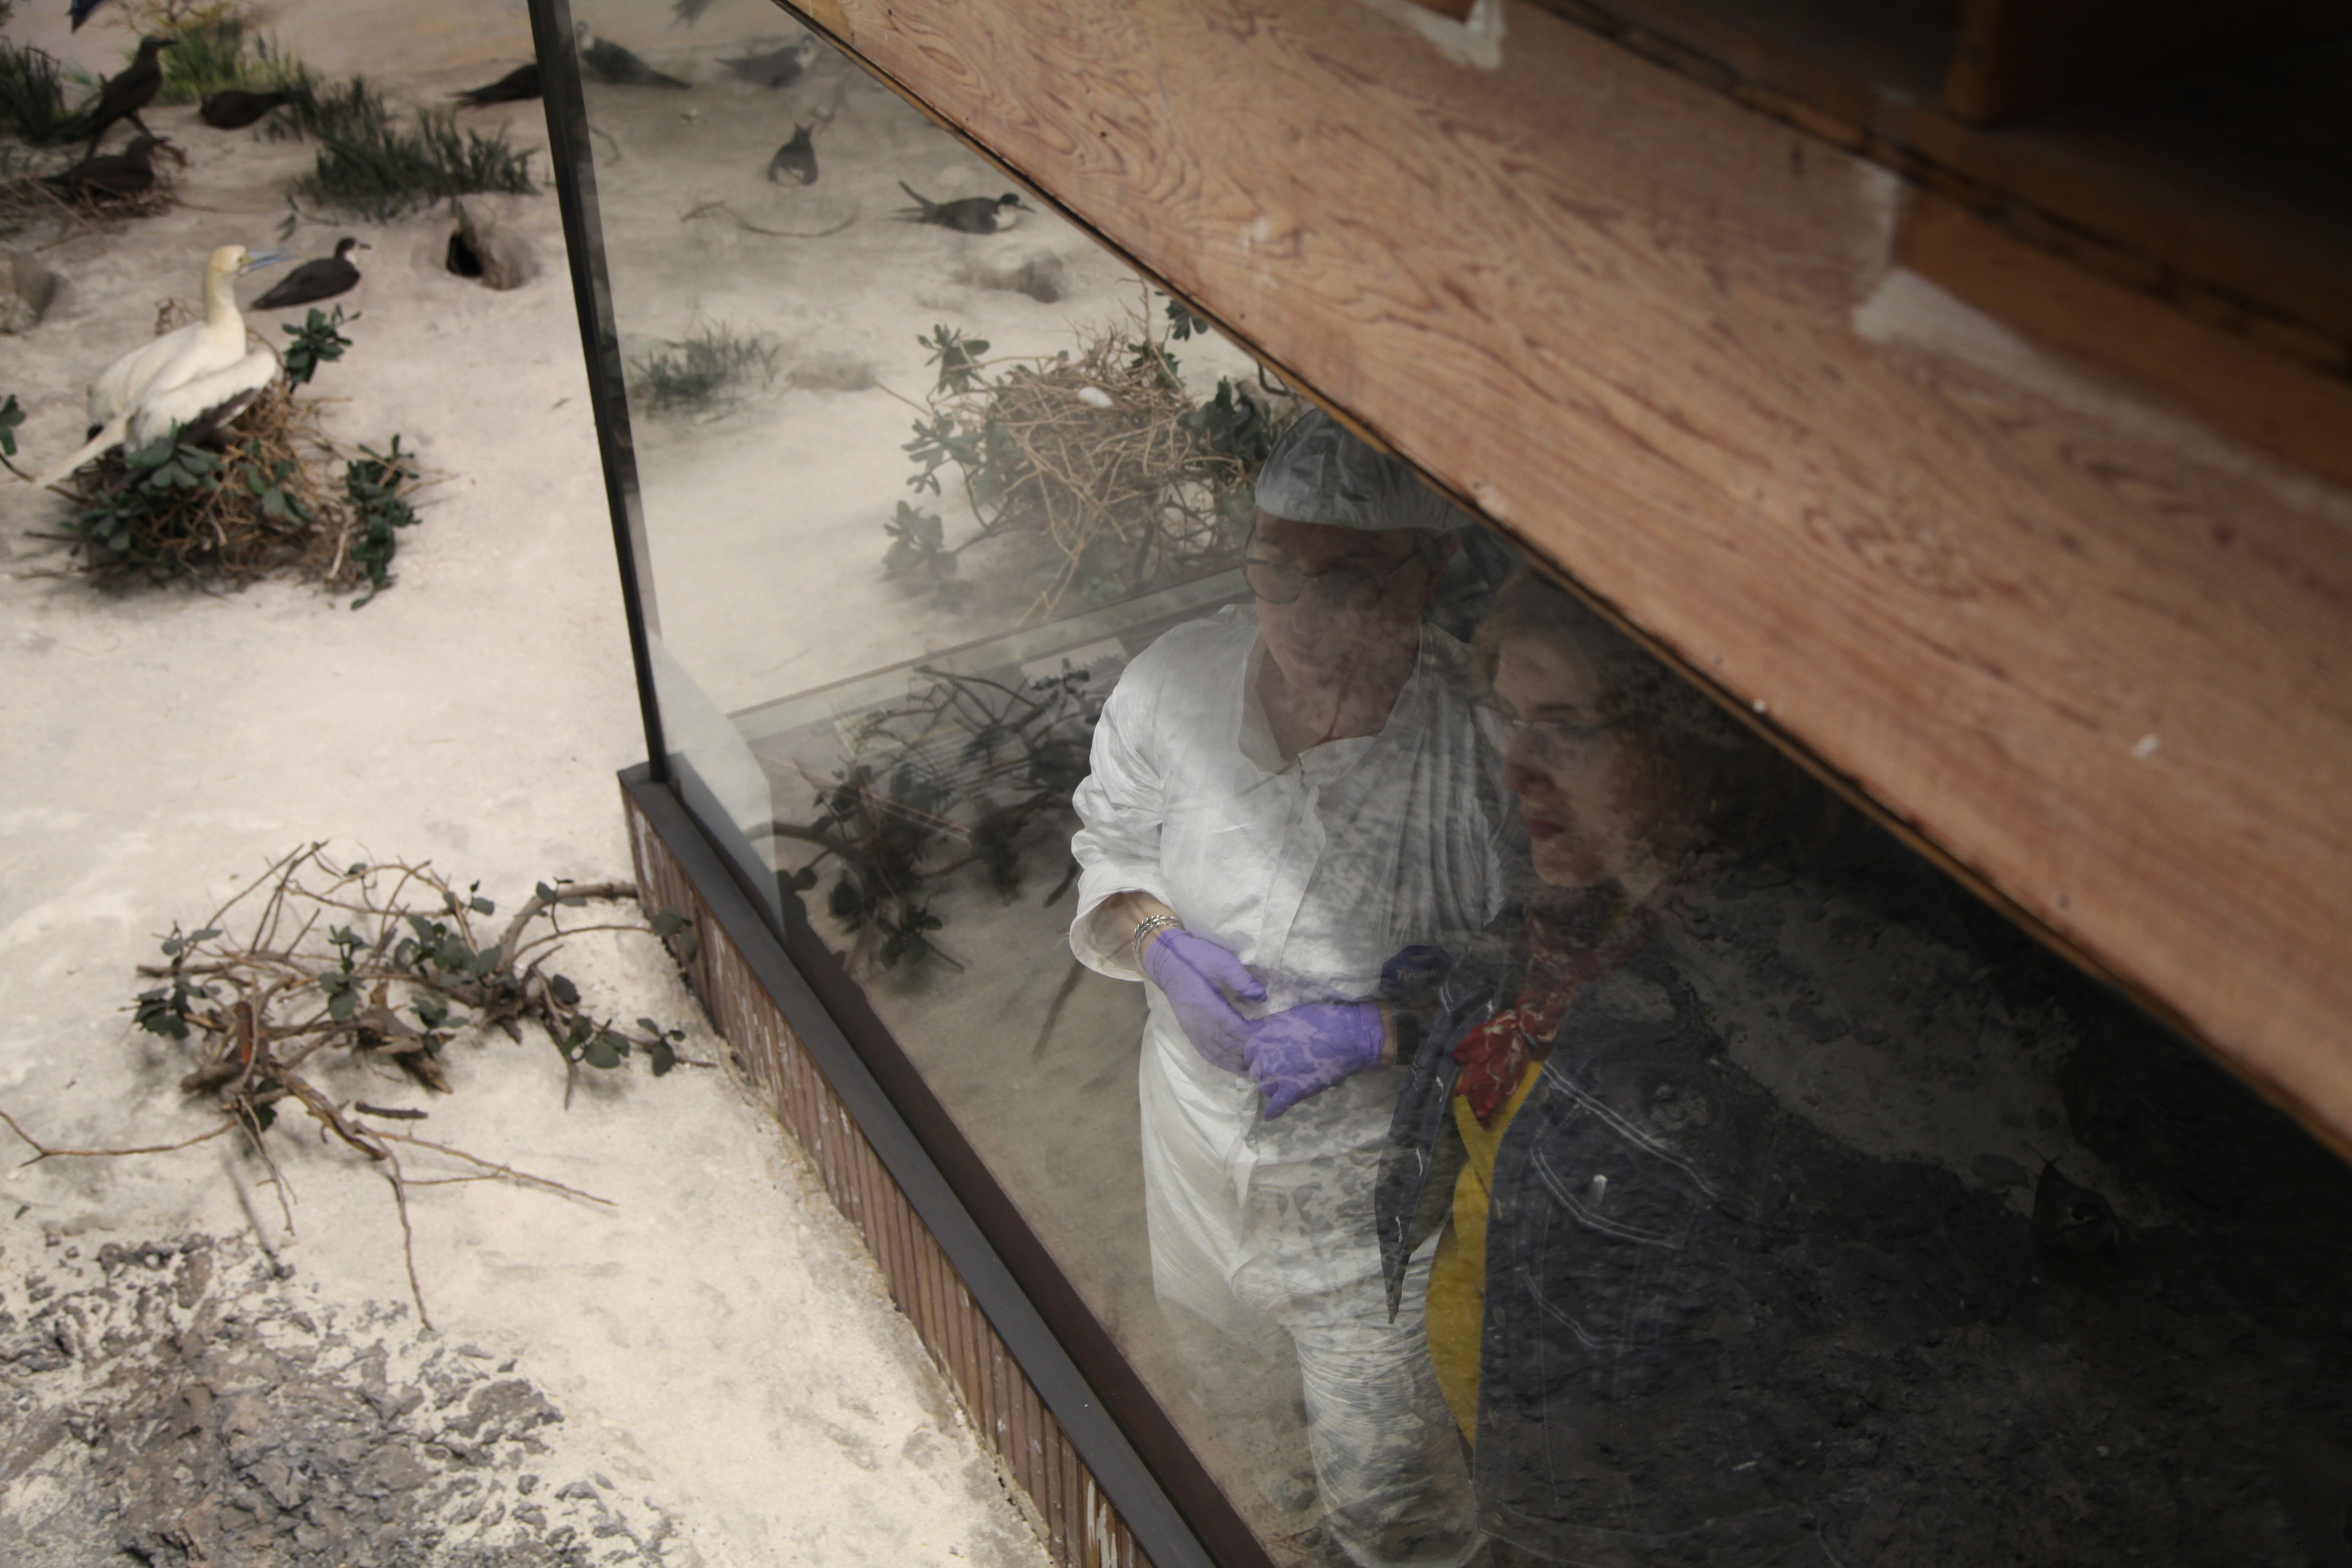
2021, 57
2225, 199
2297, 413
1618, 313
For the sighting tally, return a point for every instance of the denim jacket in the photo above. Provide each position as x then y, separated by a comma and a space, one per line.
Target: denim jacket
1685, 1282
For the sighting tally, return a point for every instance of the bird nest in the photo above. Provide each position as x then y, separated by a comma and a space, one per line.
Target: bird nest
1105, 456
29, 199
258, 497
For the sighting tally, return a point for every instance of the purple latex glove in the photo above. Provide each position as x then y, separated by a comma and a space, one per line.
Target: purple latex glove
1194, 975
1306, 1049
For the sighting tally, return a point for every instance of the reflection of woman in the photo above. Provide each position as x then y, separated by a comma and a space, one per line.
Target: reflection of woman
1662, 1297
1284, 800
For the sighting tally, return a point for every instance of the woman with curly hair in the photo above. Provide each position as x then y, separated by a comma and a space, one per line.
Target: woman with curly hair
1667, 1266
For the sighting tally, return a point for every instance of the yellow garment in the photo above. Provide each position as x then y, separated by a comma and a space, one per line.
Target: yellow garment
1457, 1276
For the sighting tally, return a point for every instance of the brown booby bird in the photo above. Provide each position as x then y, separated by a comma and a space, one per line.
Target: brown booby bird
128, 173
233, 109
608, 61
517, 86
124, 94
776, 68
320, 277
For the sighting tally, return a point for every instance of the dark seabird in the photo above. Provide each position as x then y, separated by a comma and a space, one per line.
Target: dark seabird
233, 109
777, 68
796, 157
79, 10
123, 95
320, 277
972, 215
515, 87
682, 14
609, 62
125, 173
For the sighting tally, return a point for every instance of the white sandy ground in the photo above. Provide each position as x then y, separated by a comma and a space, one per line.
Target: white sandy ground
718, 1341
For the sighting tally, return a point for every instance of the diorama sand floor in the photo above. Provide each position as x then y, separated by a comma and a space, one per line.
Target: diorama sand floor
733, 1384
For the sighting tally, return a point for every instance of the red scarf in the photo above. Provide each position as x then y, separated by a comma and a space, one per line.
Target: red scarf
1566, 953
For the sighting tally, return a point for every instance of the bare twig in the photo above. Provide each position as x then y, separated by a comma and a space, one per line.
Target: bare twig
491, 1166
248, 1123
407, 1236
43, 1151
1062, 994
258, 1011
744, 223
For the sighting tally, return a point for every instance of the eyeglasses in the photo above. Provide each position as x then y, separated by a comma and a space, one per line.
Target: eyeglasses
1337, 588
1558, 741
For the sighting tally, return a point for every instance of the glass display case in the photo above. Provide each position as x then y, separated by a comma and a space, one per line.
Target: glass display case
1449, 1085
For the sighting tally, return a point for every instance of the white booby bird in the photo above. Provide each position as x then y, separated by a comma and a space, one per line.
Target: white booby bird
189, 379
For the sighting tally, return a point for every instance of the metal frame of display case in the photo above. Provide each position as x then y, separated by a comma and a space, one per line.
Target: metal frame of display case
1113, 1481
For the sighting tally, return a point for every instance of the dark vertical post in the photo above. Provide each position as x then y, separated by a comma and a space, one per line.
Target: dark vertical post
575, 193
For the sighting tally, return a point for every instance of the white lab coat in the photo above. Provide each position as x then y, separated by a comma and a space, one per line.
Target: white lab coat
1314, 874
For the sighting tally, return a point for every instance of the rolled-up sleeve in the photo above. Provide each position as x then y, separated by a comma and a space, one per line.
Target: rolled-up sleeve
1117, 842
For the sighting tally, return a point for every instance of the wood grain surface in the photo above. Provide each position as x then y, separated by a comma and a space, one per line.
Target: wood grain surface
2105, 671
2290, 409
2223, 191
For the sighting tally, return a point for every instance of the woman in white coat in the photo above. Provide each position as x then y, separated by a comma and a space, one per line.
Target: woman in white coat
1288, 810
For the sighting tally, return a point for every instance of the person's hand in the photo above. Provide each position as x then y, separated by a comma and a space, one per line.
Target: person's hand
1195, 976
1306, 1049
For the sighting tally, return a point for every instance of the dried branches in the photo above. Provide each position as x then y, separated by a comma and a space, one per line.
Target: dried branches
1108, 457
377, 966
966, 772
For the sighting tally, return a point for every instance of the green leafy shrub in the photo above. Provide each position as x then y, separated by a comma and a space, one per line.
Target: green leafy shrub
317, 341
1105, 455
377, 485
966, 774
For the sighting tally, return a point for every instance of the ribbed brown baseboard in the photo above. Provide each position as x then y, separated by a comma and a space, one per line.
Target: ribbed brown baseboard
1082, 1529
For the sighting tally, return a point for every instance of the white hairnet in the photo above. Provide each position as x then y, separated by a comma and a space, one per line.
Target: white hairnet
1320, 473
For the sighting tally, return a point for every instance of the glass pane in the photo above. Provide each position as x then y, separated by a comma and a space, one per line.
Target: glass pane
1497, 1102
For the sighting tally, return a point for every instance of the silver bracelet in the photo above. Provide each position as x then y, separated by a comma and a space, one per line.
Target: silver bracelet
1148, 927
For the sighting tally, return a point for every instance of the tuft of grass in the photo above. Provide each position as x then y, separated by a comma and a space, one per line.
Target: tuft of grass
369, 168
215, 55
701, 371
33, 96
319, 111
